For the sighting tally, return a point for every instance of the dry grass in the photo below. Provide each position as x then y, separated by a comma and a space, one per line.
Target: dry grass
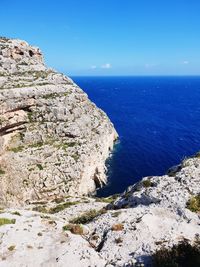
117, 227
76, 229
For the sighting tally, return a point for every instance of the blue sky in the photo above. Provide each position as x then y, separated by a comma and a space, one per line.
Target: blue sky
109, 37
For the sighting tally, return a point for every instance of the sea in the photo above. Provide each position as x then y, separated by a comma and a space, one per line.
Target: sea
157, 119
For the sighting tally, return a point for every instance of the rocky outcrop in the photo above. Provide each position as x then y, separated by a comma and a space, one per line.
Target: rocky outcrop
53, 140
169, 191
151, 214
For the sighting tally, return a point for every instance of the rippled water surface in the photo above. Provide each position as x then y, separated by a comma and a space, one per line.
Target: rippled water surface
158, 121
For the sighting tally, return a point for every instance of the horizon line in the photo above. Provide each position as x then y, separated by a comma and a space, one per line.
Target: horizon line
132, 75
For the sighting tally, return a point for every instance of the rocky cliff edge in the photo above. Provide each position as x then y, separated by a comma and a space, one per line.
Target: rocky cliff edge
53, 140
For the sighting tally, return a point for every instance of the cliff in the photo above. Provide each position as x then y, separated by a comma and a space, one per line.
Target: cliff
53, 146
53, 140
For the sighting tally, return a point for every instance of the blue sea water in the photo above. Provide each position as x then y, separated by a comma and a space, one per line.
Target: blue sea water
158, 121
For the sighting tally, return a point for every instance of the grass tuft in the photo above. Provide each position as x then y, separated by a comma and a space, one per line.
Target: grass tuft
17, 149
16, 213
62, 206
88, 216
147, 183
108, 200
40, 167
41, 209
2, 172
193, 203
4, 221
56, 209
11, 248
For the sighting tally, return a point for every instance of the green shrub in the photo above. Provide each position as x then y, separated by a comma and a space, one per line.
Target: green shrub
51, 95
2, 172
61, 207
108, 200
71, 144
1, 210
59, 200
197, 155
4, 221
75, 157
182, 255
42, 209
175, 169
17, 149
37, 145
30, 116
116, 214
193, 203
88, 216
11, 248
147, 183
65, 145
40, 167
16, 213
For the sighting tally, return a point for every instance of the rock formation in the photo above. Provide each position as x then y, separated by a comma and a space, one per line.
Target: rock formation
53, 140
85, 232
53, 144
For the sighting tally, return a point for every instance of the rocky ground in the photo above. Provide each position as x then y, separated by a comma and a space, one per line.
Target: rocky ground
117, 231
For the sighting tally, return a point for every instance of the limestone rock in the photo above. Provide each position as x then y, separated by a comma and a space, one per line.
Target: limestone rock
53, 140
125, 234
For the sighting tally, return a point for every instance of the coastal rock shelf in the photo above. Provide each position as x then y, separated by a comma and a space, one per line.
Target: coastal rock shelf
53, 140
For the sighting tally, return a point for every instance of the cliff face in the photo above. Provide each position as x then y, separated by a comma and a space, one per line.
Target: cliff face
53, 140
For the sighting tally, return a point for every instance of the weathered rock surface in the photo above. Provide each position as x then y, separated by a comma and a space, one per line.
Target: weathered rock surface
146, 217
53, 140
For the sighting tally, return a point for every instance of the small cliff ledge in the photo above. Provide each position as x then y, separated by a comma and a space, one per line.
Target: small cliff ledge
53, 140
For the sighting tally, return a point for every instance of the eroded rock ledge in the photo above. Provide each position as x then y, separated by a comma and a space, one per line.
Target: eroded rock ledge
53, 140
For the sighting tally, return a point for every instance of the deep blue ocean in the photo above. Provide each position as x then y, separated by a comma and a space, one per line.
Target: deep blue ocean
157, 119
